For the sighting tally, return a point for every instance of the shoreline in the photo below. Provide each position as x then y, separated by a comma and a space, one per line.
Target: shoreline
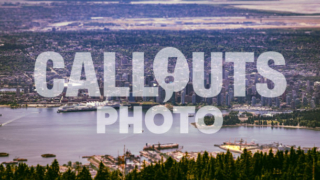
31, 106
236, 125
253, 125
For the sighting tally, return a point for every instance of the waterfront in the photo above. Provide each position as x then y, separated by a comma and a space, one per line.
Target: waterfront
36, 131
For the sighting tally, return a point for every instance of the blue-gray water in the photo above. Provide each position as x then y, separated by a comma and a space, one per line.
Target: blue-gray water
37, 131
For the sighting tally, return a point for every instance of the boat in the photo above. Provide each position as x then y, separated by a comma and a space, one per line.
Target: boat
10, 162
191, 115
3, 154
89, 106
20, 159
48, 155
76, 108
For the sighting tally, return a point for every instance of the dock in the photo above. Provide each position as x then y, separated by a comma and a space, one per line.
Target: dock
159, 146
48, 155
20, 159
3, 154
237, 146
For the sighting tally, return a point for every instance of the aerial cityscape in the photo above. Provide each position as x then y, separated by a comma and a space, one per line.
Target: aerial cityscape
147, 135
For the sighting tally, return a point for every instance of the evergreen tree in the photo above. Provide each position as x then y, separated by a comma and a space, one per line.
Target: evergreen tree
84, 174
102, 173
52, 171
68, 175
2, 171
8, 173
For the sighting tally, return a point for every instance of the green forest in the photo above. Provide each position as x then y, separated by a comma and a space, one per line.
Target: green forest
303, 118
282, 165
230, 119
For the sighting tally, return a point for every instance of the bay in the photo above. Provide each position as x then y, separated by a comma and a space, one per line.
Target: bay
36, 131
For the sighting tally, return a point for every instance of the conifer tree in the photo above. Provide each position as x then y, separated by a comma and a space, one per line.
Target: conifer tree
8, 173
68, 175
84, 174
40, 172
102, 173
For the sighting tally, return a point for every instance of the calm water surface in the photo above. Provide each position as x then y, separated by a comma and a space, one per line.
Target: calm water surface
35, 131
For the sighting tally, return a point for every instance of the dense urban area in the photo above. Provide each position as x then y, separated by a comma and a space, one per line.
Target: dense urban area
19, 53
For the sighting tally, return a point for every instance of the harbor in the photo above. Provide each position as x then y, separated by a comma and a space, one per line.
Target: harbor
72, 135
149, 155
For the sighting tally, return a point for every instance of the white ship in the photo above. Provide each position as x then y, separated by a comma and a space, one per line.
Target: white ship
89, 106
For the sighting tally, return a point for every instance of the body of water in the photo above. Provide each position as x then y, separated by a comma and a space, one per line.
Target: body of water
35, 131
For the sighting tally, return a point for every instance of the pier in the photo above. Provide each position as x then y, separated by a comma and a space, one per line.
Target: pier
159, 146
48, 155
237, 146
3, 154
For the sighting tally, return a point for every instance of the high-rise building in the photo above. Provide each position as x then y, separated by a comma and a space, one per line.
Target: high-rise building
263, 101
189, 88
173, 98
305, 101
161, 95
183, 95
297, 102
253, 101
209, 101
293, 106
288, 99
219, 100
254, 90
228, 103
270, 102
231, 94
130, 98
193, 98
25, 90
277, 102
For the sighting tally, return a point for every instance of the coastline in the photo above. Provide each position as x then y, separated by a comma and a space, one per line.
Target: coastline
31, 106
253, 125
235, 125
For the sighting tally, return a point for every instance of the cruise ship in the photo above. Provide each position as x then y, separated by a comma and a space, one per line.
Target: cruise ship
89, 106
